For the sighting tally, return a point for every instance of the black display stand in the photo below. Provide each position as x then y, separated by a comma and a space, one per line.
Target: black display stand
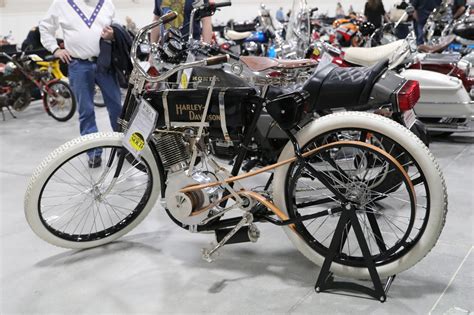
326, 281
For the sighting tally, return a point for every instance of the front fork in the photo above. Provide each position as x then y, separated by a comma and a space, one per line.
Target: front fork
120, 154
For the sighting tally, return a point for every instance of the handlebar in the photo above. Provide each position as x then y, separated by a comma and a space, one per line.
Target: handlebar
202, 11
205, 62
212, 61
168, 17
222, 4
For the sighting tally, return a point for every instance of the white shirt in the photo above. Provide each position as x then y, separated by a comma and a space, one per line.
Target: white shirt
81, 24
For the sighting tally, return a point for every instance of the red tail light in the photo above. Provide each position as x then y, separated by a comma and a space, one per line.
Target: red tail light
408, 95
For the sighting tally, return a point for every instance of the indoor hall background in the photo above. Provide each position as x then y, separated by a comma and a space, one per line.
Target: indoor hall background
19, 16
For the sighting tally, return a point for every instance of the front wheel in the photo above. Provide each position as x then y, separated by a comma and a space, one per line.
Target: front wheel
59, 100
398, 235
73, 203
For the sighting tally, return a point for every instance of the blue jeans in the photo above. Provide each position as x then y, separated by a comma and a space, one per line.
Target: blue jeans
83, 76
418, 27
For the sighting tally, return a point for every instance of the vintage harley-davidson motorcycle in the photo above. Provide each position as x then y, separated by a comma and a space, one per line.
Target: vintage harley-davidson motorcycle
350, 161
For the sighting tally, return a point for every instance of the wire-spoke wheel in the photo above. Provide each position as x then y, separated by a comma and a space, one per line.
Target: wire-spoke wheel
335, 178
59, 100
74, 200
398, 235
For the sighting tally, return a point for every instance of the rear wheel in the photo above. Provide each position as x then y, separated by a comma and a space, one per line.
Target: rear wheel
336, 178
386, 181
59, 100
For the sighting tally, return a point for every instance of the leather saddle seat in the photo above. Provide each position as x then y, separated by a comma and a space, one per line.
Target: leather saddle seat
370, 56
236, 36
336, 87
444, 42
257, 64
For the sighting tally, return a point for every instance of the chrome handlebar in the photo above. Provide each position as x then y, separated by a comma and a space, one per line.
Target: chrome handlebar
153, 79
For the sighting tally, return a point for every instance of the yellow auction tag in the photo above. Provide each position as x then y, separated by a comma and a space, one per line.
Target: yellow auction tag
137, 141
184, 81
316, 52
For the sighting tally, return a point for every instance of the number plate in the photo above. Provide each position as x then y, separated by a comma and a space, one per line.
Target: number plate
140, 128
409, 118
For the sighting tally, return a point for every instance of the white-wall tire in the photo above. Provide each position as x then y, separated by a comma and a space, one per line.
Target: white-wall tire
63, 154
414, 146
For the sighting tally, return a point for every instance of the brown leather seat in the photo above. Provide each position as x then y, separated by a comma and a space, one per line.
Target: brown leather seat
264, 63
443, 44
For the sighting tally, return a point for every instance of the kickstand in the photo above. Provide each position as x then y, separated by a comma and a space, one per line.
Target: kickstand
9, 110
326, 278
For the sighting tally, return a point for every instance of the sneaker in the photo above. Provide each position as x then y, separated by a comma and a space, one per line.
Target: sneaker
95, 162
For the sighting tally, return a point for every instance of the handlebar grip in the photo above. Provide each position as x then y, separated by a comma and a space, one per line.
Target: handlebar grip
231, 55
222, 4
212, 61
168, 17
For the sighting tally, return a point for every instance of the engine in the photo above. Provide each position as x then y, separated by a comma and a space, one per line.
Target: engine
174, 149
190, 208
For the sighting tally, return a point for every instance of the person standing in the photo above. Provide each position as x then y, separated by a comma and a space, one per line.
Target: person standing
423, 9
280, 15
339, 11
84, 23
375, 12
183, 8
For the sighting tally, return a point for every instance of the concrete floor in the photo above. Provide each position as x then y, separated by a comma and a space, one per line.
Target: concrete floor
158, 267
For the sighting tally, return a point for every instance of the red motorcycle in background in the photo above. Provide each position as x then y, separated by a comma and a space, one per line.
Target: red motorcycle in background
21, 76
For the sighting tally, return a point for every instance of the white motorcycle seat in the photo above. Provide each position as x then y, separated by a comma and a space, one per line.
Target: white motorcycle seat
233, 35
370, 56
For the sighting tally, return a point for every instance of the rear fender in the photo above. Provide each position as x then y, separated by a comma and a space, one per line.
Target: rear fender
385, 90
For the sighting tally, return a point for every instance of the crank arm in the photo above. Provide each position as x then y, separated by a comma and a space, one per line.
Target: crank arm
220, 213
247, 218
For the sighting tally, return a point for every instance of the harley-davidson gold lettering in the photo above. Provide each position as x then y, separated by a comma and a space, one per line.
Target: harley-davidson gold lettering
194, 112
181, 108
197, 116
